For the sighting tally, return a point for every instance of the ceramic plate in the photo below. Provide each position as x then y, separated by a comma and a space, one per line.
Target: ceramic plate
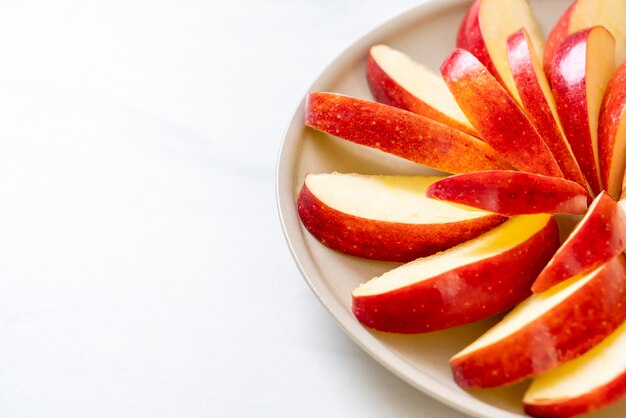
427, 33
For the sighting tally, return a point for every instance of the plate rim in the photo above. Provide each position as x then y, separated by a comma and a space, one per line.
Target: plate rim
291, 226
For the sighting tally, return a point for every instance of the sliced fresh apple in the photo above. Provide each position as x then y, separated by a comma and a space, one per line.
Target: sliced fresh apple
538, 102
397, 80
559, 33
581, 71
596, 239
399, 132
592, 381
511, 193
495, 115
612, 134
547, 329
386, 218
599, 236
584, 14
469, 282
485, 29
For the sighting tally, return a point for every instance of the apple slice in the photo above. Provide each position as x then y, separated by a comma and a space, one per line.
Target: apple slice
401, 133
581, 71
469, 282
584, 14
511, 193
599, 236
386, 218
612, 134
485, 29
547, 330
538, 102
396, 80
592, 381
596, 239
495, 115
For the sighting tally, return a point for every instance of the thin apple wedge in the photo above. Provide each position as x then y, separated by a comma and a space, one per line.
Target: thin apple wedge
599, 236
581, 70
466, 283
592, 381
538, 101
485, 29
496, 116
396, 80
401, 133
547, 330
387, 218
511, 193
584, 14
612, 134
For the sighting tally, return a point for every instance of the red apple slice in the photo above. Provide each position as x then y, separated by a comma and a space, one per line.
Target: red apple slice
386, 218
511, 193
596, 239
495, 115
559, 33
584, 14
485, 29
469, 282
592, 381
581, 71
612, 134
547, 330
396, 80
401, 133
538, 102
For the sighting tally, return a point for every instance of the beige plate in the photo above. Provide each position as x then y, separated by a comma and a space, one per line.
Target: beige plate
427, 33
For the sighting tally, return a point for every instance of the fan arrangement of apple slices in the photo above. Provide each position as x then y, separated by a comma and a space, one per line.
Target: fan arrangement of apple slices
529, 130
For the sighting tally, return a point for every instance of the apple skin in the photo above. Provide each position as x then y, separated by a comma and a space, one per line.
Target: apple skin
612, 116
401, 133
381, 240
559, 32
568, 81
484, 31
496, 116
584, 14
600, 236
605, 387
598, 398
482, 289
470, 38
565, 332
511, 193
387, 91
520, 54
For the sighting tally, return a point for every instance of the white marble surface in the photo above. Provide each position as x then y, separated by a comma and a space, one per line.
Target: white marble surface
143, 272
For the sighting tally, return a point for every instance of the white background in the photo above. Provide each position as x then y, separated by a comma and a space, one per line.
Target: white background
143, 272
